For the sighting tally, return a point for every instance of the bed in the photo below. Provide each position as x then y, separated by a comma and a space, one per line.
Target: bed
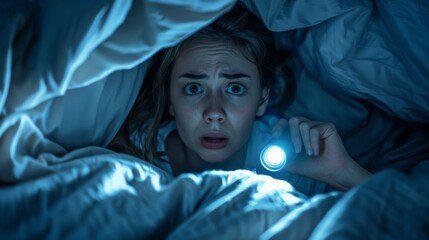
71, 70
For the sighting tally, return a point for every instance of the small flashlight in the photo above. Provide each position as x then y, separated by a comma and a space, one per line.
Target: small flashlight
273, 158
276, 154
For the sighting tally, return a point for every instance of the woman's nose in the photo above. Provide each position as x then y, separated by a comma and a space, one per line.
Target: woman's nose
214, 113
215, 117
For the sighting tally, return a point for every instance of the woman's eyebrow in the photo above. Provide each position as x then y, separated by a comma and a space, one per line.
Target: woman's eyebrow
224, 75
234, 76
193, 76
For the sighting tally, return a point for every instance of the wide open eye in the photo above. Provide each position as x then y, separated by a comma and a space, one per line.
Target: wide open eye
236, 89
192, 89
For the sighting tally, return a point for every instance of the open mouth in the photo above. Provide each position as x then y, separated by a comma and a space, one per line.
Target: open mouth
214, 142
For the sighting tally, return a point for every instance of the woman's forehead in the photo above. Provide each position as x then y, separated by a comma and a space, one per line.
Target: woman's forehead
209, 46
203, 51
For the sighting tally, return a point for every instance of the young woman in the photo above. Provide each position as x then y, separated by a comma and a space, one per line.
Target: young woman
204, 110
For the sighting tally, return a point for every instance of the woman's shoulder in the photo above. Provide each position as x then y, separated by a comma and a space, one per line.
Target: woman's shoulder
166, 128
266, 123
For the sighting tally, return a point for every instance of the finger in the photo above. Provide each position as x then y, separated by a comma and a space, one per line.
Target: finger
304, 128
315, 140
295, 134
279, 127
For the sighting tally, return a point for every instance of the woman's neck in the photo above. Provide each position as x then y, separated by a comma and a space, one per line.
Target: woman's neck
184, 160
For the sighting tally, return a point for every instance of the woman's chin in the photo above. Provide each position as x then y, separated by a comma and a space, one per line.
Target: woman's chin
213, 158
221, 159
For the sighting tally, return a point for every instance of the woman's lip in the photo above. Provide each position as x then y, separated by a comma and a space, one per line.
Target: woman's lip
214, 140
214, 135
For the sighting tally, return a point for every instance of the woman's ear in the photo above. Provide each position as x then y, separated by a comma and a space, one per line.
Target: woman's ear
171, 110
263, 102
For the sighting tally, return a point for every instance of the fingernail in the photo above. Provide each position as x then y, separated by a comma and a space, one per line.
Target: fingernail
309, 152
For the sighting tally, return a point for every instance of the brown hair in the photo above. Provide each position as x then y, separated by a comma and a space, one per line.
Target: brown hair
238, 27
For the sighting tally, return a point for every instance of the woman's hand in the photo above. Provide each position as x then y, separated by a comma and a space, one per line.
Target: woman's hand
322, 153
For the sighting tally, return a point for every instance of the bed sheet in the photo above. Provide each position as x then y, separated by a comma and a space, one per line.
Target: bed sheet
361, 65
109, 195
71, 70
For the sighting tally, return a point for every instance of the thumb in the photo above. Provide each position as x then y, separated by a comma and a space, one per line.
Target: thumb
279, 127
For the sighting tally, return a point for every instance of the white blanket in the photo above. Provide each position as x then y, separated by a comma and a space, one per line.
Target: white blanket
106, 195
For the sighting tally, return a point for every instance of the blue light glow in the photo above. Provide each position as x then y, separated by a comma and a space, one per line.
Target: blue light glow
273, 158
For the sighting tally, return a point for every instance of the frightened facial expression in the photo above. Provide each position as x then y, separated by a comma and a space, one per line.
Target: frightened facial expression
215, 95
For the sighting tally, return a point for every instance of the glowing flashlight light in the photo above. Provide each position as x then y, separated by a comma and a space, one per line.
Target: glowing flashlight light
273, 158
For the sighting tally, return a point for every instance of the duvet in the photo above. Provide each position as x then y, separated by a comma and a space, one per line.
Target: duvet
71, 70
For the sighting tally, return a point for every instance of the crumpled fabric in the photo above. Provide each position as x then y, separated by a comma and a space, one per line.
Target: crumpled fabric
71, 71
363, 50
361, 65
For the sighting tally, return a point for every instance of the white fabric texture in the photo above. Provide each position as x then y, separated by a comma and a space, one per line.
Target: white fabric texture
71, 71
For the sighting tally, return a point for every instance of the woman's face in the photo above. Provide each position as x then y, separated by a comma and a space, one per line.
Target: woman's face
215, 94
